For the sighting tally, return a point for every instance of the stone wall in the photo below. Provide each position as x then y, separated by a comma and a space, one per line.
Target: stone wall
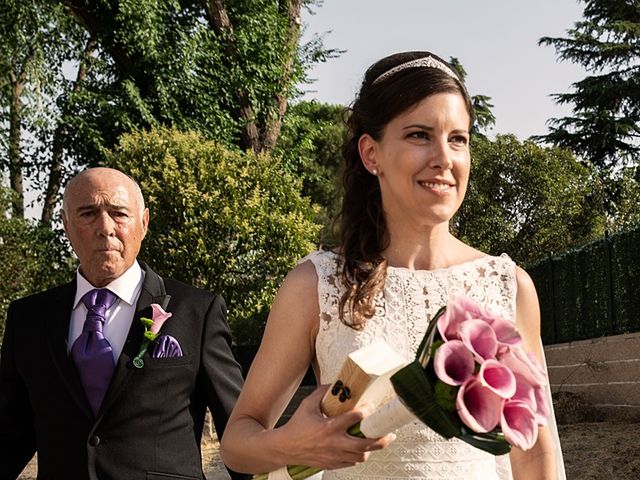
604, 371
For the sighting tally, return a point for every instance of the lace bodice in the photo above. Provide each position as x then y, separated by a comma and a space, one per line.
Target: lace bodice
402, 312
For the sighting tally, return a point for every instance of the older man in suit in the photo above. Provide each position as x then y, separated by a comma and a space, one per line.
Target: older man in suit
76, 384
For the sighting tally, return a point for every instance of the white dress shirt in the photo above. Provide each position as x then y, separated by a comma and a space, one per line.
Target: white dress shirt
118, 318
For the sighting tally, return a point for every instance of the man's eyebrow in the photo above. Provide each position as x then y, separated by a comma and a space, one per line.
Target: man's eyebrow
90, 208
86, 208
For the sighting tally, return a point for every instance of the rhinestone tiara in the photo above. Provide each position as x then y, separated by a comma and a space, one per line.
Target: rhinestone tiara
428, 62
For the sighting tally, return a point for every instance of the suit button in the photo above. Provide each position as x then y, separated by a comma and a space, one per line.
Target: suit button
94, 441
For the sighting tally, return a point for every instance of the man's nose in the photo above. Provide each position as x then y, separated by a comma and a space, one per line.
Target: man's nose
105, 224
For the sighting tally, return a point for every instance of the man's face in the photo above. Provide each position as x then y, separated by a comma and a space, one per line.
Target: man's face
105, 223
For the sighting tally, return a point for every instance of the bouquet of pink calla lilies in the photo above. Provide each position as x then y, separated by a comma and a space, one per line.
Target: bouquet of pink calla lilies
471, 379
486, 389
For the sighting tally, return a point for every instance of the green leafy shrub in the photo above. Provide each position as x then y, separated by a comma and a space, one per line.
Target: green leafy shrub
230, 222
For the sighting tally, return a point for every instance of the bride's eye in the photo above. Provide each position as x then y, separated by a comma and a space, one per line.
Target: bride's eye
418, 134
461, 140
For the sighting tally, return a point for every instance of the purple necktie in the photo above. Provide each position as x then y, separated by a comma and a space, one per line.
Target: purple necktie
92, 352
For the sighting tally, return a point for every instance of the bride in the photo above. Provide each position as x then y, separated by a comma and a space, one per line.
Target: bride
406, 170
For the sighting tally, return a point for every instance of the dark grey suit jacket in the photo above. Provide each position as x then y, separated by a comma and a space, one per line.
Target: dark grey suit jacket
151, 420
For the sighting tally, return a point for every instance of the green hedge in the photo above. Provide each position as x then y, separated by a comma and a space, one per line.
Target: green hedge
592, 291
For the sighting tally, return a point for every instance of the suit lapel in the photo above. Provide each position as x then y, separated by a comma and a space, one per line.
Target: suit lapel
58, 336
153, 291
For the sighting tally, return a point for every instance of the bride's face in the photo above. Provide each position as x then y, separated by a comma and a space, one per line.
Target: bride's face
422, 160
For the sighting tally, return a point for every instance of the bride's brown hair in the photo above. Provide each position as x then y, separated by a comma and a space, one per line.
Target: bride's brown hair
390, 86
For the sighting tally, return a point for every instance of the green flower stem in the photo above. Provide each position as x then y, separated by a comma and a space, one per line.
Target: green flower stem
300, 472
143, 347
147, 337
355, 431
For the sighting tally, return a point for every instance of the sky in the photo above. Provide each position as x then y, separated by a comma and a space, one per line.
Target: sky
495, 40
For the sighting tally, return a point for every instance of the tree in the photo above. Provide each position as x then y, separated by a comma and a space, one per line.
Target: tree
231, 222
526, 200
225, 69
59, 137
484, 117
311, 145
605, 126
34, 257
38, 38
628, 198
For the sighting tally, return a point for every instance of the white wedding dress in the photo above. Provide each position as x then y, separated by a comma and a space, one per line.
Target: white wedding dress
410, 299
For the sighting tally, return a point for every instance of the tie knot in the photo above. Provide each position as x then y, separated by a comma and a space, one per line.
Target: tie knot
99, 299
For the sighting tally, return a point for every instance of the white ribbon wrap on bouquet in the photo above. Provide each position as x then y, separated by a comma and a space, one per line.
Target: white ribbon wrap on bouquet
386, 419
280, 474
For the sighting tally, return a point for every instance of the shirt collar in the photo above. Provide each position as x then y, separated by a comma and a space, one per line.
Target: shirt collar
126, 286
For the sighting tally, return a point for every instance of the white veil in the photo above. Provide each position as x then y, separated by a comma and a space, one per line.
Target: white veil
553, 427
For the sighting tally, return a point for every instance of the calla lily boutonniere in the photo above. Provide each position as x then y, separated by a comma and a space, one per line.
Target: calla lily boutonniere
151, 328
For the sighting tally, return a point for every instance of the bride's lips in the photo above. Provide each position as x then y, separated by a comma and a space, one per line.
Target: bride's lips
440, 187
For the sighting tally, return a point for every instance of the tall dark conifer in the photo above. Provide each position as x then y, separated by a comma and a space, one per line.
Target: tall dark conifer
604, 128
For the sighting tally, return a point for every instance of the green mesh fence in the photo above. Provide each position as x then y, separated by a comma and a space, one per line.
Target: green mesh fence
592, 291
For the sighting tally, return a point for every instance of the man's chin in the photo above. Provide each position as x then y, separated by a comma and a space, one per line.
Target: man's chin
105, 274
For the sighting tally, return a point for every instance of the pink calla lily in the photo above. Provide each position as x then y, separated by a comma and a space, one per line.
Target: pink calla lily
455, 314
476, 312
506, 332
159, 316
519, 425
524, 391
498, 378
534, 396
479, 337
453, 363
526, 365
478, 407
471, 309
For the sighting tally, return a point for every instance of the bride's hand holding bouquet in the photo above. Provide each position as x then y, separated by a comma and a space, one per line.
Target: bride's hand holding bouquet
318, 442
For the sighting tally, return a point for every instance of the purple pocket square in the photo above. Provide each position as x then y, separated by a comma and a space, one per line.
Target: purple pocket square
166, 347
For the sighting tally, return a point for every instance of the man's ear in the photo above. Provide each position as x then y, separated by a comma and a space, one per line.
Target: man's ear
145, 222
367, 147
63, 215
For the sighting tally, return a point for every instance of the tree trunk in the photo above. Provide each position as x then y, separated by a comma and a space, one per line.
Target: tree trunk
271, 131
15, 157
60, 136
221, 24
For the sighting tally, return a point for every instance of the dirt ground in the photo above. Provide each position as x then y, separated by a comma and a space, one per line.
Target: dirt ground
601, 450
596, 450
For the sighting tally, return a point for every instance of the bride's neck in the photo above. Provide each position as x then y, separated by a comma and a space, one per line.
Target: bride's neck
428, 249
